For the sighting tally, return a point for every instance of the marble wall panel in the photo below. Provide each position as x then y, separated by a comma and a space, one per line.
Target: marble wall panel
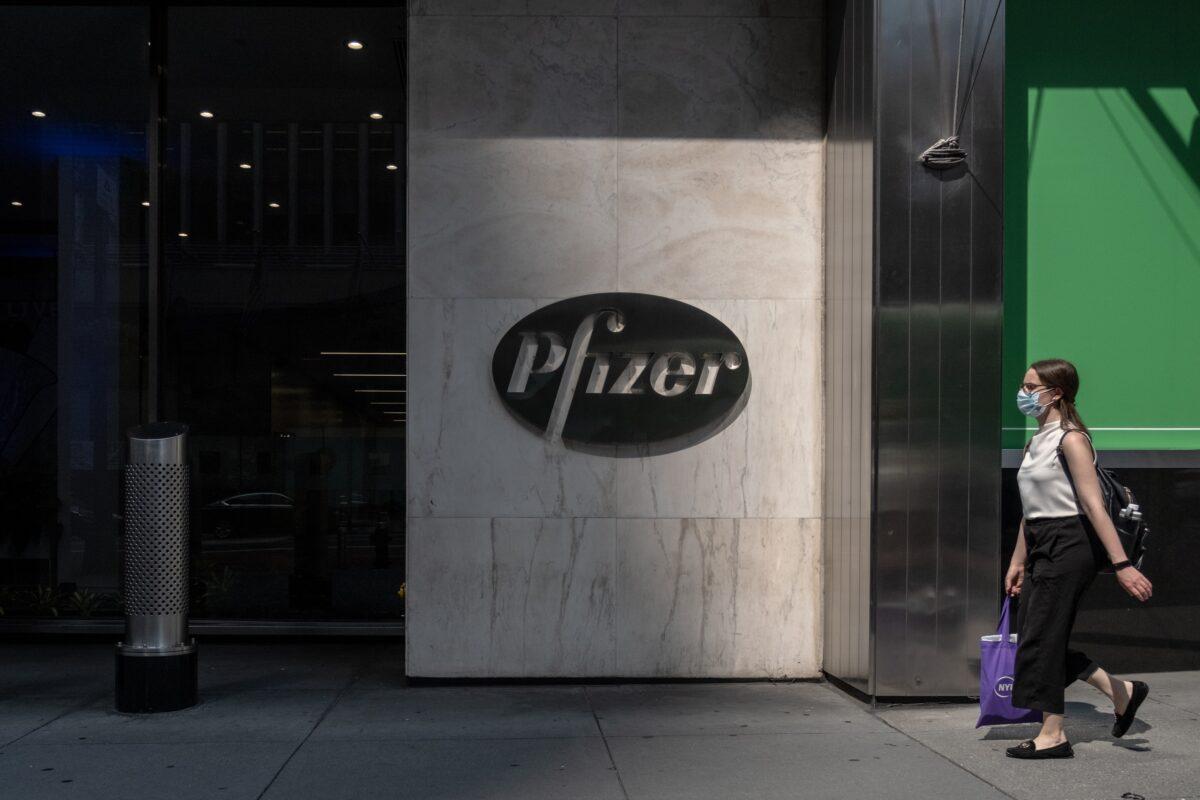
721, 218
718, 597
512, 76
512, 156
664, 146
718, 77
510, 597
520, 217
513, 7
724, 8
711, 8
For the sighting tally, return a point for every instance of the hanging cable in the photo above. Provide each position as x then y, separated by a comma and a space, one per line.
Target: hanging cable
945, 152
975, 75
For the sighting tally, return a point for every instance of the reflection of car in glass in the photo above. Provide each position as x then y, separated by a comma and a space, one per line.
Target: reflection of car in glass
249, 515
353, 512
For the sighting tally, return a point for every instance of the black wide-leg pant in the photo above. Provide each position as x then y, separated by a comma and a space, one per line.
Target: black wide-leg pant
1063, 557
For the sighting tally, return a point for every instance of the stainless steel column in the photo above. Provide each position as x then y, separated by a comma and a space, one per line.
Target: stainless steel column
913, 275
156, 662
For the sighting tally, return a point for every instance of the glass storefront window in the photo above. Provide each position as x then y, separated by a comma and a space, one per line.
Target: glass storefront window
279, 332
73, 255
284, 305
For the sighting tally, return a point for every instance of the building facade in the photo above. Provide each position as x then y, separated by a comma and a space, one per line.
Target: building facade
662, 149
581, 338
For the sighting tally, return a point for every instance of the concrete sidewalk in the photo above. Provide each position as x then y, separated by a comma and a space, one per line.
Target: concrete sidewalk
1156, 758
336, 720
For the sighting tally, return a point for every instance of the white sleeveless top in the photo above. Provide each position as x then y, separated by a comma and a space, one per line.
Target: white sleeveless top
1045, 490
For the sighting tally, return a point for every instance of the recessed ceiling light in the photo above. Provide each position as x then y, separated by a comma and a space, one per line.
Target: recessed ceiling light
146, 203
182, 235
38, 114
392, 167
376, 115
244, 165
273, 205
17, 203
206, 114
354, 44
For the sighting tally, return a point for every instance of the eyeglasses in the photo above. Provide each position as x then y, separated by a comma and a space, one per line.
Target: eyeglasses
1029, 387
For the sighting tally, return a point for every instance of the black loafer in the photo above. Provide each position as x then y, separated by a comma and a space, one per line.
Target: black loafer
1125, 718
1027, 749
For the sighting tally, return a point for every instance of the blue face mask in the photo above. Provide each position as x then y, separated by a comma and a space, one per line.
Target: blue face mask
1028, 403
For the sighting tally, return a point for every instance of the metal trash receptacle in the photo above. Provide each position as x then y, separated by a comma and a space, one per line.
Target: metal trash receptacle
157, 660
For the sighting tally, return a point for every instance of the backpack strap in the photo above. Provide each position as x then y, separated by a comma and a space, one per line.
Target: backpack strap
1063, 461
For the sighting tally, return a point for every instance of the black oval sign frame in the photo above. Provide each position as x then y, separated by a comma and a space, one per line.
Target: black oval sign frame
622, 374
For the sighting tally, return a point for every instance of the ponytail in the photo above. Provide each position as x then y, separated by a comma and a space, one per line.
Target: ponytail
1058, 373
1070, 414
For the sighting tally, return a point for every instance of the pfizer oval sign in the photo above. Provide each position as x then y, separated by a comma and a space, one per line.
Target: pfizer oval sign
622, 373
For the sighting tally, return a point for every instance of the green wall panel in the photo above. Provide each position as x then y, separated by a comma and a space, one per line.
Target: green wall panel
1102, 213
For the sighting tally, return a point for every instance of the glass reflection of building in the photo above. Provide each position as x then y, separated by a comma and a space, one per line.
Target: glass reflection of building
251, 285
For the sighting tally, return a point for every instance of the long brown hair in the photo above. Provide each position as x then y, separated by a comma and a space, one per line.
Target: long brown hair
1058, 373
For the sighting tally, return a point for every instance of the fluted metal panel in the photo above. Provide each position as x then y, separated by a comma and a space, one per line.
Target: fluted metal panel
938, 349
849, 165
913, 274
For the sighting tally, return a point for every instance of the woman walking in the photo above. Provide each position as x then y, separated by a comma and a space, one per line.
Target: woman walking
1063, 542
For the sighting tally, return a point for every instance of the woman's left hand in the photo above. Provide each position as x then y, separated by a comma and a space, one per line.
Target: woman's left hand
1013, 579
1135, 583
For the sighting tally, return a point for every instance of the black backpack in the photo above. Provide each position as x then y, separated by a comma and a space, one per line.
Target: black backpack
1122, 508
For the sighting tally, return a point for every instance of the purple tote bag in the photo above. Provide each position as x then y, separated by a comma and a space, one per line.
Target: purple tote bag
997, 657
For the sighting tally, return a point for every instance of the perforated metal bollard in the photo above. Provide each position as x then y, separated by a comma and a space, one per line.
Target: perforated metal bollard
156, 661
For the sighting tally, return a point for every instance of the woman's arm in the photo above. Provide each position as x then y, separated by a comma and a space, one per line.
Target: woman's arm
1019, 555
1016, 565
1078, 451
